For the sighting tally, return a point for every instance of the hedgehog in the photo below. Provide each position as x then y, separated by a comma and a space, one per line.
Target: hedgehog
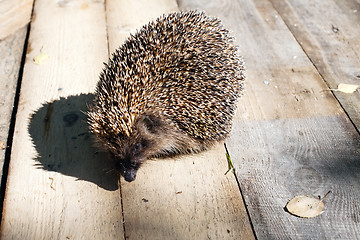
171, 88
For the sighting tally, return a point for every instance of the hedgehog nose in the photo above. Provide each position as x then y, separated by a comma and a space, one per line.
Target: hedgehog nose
130, 175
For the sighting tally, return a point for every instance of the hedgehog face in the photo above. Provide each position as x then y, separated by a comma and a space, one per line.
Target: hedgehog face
131, 151
130, 157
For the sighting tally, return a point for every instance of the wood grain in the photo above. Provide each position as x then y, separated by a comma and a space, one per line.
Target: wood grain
185, 198
290, 137
329, 33
57, 188
14, 14
11, 50
281, 81
181, 198
280, 159
125, 17
290, 134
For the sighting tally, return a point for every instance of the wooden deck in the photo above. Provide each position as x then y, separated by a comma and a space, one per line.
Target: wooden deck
293, 133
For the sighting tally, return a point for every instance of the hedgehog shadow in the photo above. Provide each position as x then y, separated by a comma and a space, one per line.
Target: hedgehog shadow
64, 144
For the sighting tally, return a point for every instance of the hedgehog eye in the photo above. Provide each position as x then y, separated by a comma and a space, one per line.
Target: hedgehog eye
137, 147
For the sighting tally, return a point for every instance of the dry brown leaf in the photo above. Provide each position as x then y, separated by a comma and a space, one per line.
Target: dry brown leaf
305, 206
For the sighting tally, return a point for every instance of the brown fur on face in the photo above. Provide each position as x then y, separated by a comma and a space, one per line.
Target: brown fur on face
148, 138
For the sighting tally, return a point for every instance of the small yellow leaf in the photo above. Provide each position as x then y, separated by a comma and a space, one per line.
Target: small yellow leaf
2, 145
40, 58
347, 88
305, 206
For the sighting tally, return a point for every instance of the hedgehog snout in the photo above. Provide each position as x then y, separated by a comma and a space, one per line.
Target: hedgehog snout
128, 171
128, 165
129, 174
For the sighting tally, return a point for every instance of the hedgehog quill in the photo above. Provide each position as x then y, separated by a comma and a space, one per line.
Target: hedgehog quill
170, 89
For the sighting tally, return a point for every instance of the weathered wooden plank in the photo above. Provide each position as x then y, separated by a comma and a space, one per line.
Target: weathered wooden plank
185, 198
57, 188
125, 17
329, 33
279, 159
290, 137
11, 50
14, 14
181, 198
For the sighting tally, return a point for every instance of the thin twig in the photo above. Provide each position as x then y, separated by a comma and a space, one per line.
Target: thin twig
326, 195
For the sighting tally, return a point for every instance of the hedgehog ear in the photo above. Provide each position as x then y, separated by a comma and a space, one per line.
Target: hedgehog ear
148, 123
151, 123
